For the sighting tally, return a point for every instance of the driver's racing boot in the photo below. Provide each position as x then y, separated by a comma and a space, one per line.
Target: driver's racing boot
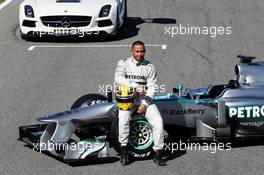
158, 158
124, 155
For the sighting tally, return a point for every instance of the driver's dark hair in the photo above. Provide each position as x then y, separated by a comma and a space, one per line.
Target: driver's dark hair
138, 43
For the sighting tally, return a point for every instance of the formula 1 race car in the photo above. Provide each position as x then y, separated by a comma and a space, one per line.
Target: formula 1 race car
225, 111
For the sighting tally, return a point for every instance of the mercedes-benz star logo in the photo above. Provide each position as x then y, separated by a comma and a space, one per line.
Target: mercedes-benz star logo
65, 22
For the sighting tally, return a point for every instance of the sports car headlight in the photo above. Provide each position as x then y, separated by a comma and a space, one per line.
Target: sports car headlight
105, 10
29, 11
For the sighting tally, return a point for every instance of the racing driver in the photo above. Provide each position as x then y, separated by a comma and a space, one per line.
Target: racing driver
138, 73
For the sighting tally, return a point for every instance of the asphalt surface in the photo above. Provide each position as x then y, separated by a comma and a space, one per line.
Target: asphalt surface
48, 80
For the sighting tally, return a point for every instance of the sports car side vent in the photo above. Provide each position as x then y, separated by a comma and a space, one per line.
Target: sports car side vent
66, 21
105, 23
28, 23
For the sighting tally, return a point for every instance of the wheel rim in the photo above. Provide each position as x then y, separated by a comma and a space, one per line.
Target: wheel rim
140, 135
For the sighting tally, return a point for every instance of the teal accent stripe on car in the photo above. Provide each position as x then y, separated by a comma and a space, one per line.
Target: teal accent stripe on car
164, 99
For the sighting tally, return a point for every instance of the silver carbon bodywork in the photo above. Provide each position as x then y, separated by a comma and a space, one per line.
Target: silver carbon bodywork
60, 128
250, 75
69, 121
224, 111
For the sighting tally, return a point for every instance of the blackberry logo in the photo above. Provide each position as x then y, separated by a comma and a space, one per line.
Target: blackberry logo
183, 112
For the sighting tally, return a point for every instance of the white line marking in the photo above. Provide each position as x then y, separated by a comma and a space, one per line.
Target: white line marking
31, 48
163, 47
4, 4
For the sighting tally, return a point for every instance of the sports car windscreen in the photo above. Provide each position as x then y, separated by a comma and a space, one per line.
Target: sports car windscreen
70, 1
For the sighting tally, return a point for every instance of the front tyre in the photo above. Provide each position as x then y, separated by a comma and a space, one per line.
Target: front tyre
29, 36
23, 36
90, 131
140, 140
125, 16
114, 36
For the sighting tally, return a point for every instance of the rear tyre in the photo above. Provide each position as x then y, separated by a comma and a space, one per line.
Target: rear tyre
140, 141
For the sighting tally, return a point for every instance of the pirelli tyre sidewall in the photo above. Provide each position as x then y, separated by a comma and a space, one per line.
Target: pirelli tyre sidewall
140, 141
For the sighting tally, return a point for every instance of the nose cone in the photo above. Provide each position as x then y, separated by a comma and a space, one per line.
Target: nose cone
96, 111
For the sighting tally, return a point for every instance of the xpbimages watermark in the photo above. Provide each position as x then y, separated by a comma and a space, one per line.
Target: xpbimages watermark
212, 31
182, 146
81, 146
62, 31
115, 87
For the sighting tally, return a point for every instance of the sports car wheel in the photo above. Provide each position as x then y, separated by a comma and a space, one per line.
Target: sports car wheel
24, 36
125, 16
140, 140
28, 37
88, 100
115, 34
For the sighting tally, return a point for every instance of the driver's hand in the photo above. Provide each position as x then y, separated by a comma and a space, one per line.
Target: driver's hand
142, 109
141, 90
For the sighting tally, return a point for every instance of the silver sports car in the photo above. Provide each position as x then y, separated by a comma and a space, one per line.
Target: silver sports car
71, 17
